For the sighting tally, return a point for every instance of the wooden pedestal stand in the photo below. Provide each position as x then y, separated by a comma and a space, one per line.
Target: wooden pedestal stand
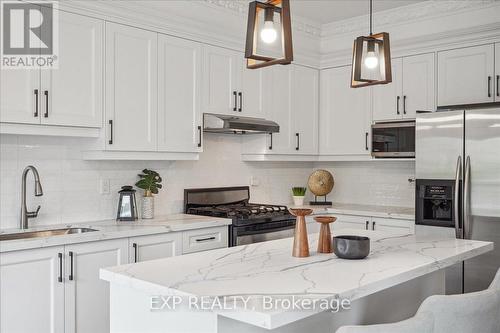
325, 236
300, 243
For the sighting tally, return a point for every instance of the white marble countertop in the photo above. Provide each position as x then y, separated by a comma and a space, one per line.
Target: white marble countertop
269, 269
111, 229
394, 212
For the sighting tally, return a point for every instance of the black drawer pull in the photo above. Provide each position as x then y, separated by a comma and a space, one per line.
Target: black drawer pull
498, 84
110, 122
36, 103
71, 265
489, 86
199, 136
134, 245
60, 256
240, 94
367, 225
366, 140
397, 105
205, 239
235, 101
373, 225
404, 104
271, 143
298, 141
46, 93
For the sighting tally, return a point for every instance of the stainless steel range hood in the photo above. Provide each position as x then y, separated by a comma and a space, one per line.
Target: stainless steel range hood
225, 124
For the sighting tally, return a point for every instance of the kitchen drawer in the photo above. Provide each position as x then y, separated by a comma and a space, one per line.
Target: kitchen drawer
400, 227
204, 239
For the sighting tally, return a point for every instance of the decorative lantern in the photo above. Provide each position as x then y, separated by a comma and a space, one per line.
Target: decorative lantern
371, 59
127, 205
269, 34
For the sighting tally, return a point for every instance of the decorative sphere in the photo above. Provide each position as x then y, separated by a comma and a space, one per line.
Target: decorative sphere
320, 182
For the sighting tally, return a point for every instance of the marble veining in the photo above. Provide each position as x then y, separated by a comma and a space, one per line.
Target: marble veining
112, 229
269, 269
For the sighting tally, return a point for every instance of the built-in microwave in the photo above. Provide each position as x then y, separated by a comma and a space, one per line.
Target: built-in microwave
393, 140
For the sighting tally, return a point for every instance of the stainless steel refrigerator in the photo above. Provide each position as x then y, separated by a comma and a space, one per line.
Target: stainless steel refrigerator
461, 150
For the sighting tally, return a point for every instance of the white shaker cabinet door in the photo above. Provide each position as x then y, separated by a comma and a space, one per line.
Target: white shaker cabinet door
344, 115
152, 247
251, 96
72, 93
419, 92
221, 81
32, 291
87, 296
465, 76
388, 98
131, 88
20, 96
305, 109
179, 95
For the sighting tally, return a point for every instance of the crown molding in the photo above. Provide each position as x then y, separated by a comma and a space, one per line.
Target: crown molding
403, 15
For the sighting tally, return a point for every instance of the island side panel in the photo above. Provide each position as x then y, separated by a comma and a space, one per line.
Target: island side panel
390, 305
130, 312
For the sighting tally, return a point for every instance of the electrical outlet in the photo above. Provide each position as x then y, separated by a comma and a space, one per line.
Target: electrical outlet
104, 186
254, 181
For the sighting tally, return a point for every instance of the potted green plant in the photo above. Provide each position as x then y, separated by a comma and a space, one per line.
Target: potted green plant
149, 181
298, 195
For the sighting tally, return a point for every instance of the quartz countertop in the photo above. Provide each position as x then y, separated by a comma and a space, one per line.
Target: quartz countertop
404, 213
269, 269
111, 229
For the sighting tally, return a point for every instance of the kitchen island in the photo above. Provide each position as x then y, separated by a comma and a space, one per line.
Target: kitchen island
255, 288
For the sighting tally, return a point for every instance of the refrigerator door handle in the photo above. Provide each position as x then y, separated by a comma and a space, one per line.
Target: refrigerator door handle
456, 198
466, 226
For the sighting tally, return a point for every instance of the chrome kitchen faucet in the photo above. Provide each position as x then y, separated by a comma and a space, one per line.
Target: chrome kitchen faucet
25, 215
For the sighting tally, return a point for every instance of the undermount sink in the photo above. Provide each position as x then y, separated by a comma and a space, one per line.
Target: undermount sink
44, 233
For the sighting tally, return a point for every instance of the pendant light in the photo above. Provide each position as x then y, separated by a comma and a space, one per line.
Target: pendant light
269, 34
371, 59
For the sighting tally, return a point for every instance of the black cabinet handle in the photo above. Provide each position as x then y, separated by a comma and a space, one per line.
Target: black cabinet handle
397, 104
240, 94
271, 143
199, 136
489, 86
70, 265
298, 141
373, 225
134, 245
498, 84
367, 225
110, 122
404, 104
36, 103
366, 141
235, 101
46, 93
205, 239
60, 278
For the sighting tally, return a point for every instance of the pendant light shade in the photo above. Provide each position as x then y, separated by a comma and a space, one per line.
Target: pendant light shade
269, 34
371, 59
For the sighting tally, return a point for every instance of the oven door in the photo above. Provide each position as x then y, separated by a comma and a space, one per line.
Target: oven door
256, 233
394, 140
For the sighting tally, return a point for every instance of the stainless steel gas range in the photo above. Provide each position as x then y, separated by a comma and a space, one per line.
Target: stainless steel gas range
252, 223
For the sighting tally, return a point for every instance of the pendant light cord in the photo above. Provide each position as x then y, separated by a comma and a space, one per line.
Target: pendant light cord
371, 19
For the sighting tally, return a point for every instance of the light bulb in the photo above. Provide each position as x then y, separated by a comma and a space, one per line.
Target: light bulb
268, 34
371, 60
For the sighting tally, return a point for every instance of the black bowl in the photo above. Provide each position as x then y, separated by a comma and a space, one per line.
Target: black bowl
351, 247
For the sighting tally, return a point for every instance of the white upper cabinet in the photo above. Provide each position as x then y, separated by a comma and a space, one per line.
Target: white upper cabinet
221, 81
387, 98
412, 89
497, 72
466, 75
32, 289
305, 111
279, 109
20, 96
87, 296
179, 91
419, 88
72, 94
344, 114
131, 88
251, 94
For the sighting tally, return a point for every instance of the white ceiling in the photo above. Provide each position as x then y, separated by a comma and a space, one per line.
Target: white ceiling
327, 11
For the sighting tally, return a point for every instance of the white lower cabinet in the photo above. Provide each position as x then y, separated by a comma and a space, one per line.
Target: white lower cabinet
152, 247
351, 222
399, 227
32, 291
86, 296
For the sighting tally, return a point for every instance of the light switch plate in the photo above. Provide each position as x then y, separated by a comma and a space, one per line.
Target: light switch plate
104, 186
